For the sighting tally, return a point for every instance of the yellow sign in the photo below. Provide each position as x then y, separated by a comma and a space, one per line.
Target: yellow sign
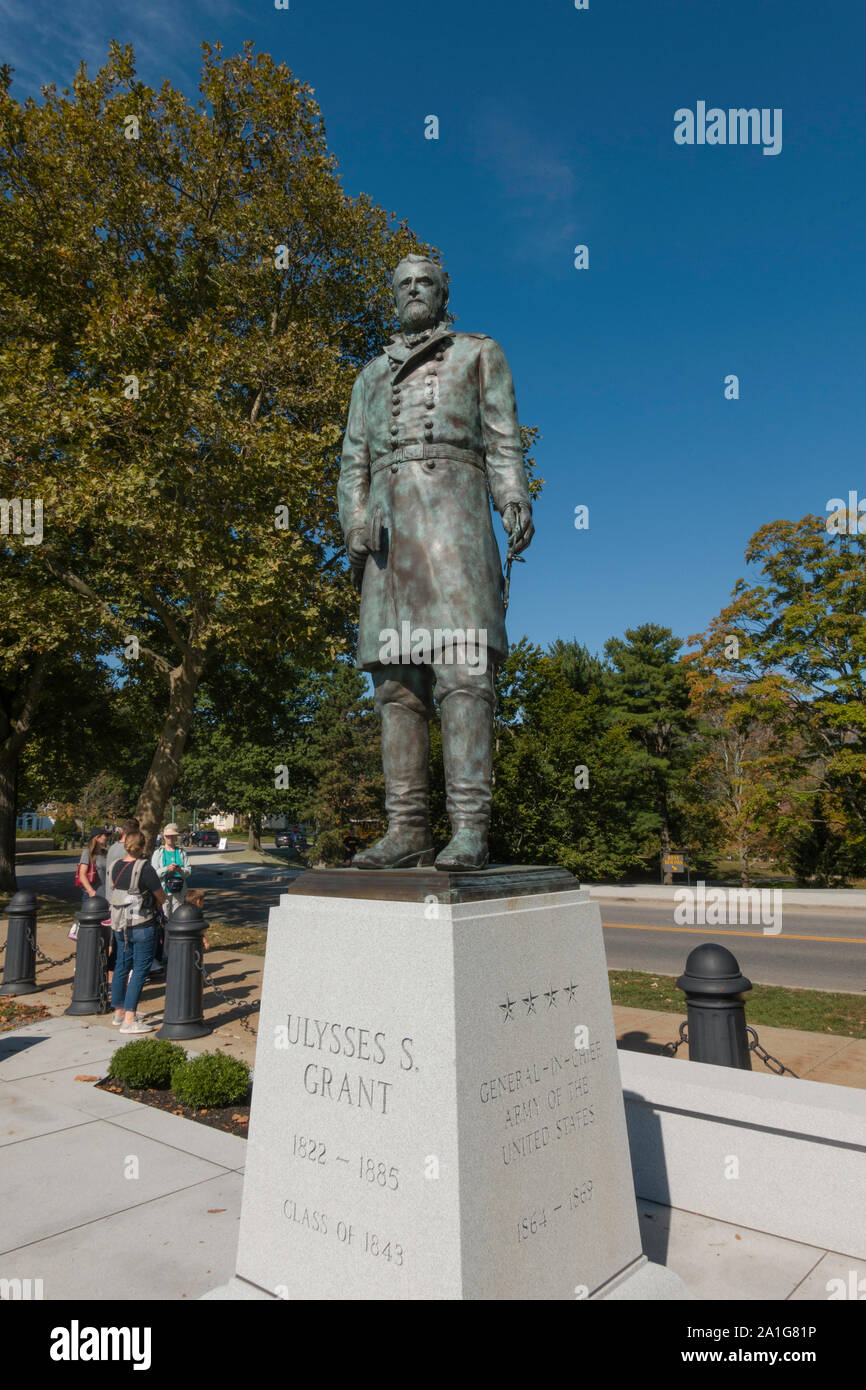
673, 864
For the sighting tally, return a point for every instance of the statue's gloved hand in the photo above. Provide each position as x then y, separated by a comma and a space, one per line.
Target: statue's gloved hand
517, 520
356, 545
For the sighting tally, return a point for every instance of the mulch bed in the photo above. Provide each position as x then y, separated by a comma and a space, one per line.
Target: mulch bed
233, 1119
14, 1015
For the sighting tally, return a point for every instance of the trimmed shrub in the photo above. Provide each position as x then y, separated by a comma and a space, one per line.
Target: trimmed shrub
211, 1079
148, 1062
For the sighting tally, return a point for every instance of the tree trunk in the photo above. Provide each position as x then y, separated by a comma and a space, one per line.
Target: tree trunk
165, 766
8, 813
666, 838
745, 875
14, 733
254, 835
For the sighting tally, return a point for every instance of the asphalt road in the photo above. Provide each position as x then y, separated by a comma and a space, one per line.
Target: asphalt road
822, 948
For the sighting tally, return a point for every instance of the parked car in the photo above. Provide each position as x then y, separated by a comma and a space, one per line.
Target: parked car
284, 839
200, 838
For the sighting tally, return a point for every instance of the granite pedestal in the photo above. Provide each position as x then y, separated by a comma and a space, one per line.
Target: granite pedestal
437, 1109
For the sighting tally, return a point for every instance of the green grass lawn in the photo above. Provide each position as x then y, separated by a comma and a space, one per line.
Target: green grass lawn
812, 1010
249, 939
48, 910
763, 875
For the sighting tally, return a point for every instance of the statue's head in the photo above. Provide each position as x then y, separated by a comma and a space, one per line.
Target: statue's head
420, 293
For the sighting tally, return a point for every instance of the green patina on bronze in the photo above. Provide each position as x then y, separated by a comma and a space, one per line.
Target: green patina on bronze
432, 438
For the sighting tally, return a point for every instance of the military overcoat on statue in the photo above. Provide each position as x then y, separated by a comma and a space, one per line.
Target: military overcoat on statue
431, 428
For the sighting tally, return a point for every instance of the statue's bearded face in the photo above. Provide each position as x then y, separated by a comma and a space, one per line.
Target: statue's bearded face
418, 293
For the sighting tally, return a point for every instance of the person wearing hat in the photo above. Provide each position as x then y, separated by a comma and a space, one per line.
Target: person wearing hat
173, 869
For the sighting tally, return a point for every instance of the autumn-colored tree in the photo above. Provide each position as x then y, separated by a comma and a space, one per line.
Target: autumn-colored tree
789, 654
750, 778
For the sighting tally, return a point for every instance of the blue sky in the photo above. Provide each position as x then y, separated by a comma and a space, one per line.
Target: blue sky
556, 128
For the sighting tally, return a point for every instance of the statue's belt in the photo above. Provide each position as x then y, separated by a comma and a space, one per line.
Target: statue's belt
428, 453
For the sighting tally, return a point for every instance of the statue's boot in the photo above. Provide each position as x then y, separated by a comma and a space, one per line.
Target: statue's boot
467, 751
405, 753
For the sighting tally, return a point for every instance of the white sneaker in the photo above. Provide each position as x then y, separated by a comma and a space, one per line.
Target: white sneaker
137, 1027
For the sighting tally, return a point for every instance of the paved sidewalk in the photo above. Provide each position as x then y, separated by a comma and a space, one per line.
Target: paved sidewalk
103, 1197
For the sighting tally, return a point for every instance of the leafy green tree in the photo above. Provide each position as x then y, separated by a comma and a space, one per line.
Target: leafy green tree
245, 749
89, 723
187, 296
648, 695
282, 740
579, 667
343, 757
562, 791
44, 681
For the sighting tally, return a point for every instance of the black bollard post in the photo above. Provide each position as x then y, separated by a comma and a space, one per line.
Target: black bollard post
90, 987
714, 989
183, 1017
19, 972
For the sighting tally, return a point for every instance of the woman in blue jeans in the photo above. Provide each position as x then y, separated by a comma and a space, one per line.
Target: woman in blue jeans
136, 943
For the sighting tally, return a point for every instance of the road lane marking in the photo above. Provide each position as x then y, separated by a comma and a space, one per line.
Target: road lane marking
726, 931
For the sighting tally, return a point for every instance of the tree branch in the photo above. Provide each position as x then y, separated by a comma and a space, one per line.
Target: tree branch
23, 724
167, 617
79, 586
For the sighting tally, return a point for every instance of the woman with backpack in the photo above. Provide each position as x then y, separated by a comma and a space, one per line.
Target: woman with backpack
135, 895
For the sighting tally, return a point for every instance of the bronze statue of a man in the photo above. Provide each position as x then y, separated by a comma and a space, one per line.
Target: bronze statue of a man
432, 426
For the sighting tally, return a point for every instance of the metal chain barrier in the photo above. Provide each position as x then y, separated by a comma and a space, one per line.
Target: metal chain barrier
104, 989
766, 1057
244, 1009
773, 1063
671, 1047
47, 960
